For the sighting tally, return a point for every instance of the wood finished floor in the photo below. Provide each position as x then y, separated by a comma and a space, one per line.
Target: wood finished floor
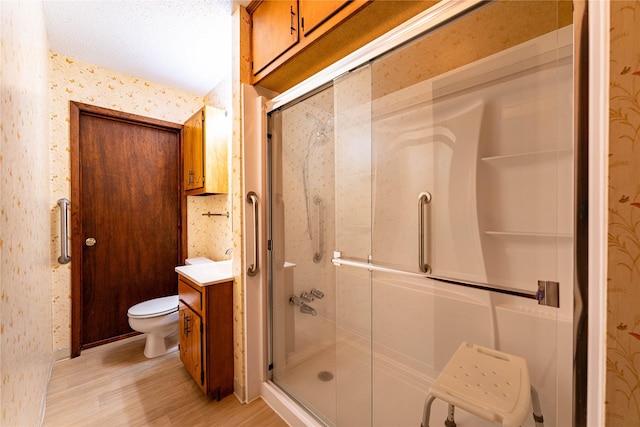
115, 385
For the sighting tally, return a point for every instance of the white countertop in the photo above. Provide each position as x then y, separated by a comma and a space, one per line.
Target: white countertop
208, 273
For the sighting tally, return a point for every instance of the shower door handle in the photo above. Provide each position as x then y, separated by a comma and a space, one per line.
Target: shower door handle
423, 200
253, 199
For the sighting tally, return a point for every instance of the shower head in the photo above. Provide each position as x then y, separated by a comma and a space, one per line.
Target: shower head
321, 133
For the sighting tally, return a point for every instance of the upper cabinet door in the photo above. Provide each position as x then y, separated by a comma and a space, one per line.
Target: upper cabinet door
275, 30
193, 141
314, 12
205, 142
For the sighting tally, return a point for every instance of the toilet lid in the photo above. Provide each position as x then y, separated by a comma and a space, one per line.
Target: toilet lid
154, 307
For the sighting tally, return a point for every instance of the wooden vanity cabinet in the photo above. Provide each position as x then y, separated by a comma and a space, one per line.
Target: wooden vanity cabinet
206, 335
190, 324
205, 163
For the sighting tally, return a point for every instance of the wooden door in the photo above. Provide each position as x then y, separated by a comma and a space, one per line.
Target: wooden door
126, 219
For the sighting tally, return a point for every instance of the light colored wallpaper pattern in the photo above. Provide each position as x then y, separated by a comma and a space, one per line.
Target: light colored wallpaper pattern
623, 325
25, 223
240, 73
210, 236
73, 80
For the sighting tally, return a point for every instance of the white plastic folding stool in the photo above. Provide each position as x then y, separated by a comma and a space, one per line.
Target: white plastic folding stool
487, 383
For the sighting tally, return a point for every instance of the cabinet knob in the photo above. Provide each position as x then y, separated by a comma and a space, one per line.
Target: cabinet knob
90, 241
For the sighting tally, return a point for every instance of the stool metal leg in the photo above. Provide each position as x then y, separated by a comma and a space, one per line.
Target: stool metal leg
427, 411
450, 421
537, 411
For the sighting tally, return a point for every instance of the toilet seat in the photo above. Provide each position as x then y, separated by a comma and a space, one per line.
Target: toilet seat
154, 307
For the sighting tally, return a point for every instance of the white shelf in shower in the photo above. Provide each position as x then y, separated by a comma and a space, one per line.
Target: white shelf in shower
528, 157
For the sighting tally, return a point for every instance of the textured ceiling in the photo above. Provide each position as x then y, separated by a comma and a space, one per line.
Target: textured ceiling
183, 44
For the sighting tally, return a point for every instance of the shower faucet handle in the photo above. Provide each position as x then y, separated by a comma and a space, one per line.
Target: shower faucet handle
294, 300
316, 293
306, 297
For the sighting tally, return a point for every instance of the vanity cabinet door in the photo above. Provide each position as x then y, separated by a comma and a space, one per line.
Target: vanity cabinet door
190, 330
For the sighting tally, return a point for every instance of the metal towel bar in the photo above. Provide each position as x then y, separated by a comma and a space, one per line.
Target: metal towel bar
337, 260
64, 257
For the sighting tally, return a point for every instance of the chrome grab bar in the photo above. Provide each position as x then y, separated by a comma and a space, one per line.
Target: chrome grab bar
252, 198
64, 257
317, 257
423, 199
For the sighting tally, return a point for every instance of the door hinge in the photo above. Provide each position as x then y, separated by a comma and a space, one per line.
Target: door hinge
271, 366
202, 377
269, 245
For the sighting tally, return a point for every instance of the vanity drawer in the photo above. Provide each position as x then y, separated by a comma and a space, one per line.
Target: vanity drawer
190, 296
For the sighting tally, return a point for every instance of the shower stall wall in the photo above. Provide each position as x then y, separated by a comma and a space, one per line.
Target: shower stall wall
419, 201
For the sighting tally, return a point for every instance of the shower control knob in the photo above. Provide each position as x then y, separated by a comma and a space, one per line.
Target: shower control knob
304, 296
90, 241
316, 293
294, 300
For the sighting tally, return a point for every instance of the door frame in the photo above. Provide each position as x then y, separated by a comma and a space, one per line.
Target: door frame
76, 109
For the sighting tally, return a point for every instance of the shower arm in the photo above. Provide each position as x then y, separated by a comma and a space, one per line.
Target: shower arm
317, 257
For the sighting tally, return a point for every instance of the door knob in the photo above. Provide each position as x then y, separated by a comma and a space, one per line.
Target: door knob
90, 241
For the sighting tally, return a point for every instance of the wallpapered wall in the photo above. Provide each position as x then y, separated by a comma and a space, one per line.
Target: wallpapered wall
70, 79
25, 278
623, 325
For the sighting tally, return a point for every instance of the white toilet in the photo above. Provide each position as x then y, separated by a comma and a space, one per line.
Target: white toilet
158, 319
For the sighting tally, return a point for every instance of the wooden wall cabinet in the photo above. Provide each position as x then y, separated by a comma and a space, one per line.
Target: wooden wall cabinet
313, 13
325, 32
280, 29
206, 335
205, 162
275, 30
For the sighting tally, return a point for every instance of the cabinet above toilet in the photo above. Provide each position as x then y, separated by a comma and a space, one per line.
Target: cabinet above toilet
205, 148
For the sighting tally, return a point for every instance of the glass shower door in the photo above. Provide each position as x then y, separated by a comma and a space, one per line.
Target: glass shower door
304, 298
478, 115
421, 201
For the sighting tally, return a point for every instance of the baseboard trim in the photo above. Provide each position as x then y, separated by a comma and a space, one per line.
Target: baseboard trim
43, 404
61, 354
238, 390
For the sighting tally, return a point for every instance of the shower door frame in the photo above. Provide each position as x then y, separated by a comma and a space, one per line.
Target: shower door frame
431, 18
